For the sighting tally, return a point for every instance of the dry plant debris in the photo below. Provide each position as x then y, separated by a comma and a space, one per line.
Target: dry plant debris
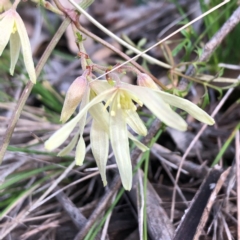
177, 193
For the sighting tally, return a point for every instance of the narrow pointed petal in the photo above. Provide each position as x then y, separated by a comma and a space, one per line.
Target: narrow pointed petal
14, 50
60, 136
140, 145
100, 115
80, 152
100, 147
6, 28
157, 106
65, 151
187, 106
120, 145
135, 123
26, 48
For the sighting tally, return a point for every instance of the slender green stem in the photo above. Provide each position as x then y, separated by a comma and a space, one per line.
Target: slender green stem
147, 155
118, 39
225, 146
27, 90
120, 53
156, 44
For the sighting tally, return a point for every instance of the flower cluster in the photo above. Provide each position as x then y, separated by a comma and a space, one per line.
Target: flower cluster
113, 108
12, 28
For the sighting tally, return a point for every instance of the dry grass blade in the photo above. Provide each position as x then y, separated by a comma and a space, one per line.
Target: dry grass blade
223, 100
158, 222
211, 45
190, 221
237, 142
210, 203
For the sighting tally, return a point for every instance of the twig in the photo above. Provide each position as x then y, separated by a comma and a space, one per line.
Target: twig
158, 222
193, 169
237, 142
28, 88
106, 225
156, 44
120, 53
77, 217
118, 39
103, 203
210, 203
212, 44
190, 221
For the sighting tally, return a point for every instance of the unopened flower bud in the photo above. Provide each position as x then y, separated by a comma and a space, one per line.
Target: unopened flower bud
73, 97
5, 5
144, 80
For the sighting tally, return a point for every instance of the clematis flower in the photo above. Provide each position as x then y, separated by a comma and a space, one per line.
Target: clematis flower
121, 100
12, 27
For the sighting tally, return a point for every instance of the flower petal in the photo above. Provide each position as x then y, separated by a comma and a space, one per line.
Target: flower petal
135, 122
6, 28
157, 106
65, 151
188, 106
120, 145
100, 86
80, 152
60, 136
100, 147
14, 50
26, 48
100, 115
140, 145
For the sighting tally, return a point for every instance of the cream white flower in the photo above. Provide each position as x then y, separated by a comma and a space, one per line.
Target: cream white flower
121, 100
12, 27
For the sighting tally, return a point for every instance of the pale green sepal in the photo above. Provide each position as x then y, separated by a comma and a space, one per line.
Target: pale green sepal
157, 106
26, 48
80, 152
187, 106
140, 145
120, 145
6, 28
100, 147
135, 122
15, 47
65, 151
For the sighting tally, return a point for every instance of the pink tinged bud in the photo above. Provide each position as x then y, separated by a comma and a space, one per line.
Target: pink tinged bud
73, 97
5, 5
144, 80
